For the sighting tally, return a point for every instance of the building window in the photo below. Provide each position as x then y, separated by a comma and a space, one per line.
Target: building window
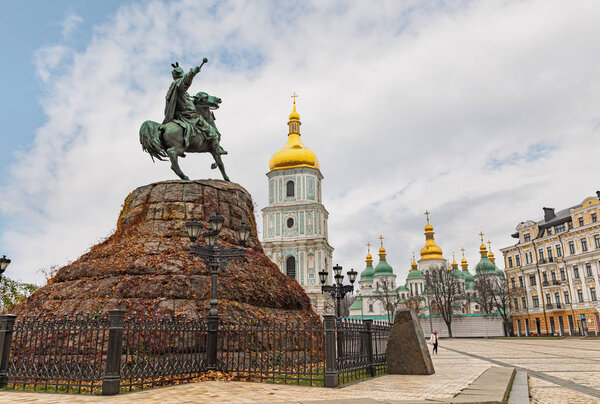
567, 298
594, 217
527, 237
510, 264
512, 283
290, 267
521, 282
597, 240
560, 228
536, 301
527, 258
558, 250
570, 225
289, 188
581, 221
516, 304
553, 275
548, 299
518, 260
549, 250
290, 222
580, 295
583, 244
575, 272
549, 230
371, 307
523, 303
593, 294
545, 277
562, 274
588, 269
532, 281
571, 247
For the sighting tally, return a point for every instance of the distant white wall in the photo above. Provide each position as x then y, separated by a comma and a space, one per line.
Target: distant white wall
478, 326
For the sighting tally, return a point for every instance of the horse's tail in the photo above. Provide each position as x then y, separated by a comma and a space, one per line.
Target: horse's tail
151, 140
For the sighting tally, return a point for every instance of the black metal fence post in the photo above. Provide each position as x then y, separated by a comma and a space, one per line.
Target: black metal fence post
331, 372
369, 346
212, 342
112, 376
7, 322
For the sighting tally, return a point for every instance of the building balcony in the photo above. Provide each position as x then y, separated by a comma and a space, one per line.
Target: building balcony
549, 306
556, 282
558, 306
545, 283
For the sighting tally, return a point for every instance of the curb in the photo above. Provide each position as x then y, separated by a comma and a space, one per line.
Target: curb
491, 387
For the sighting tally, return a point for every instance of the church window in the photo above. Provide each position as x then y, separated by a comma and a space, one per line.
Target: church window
371, 308
290, 267
289, 189
290, 222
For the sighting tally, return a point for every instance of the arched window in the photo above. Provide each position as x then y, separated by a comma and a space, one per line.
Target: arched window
290, 267
289, 188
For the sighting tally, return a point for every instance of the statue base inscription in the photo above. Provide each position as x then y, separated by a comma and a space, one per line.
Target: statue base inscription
407, 351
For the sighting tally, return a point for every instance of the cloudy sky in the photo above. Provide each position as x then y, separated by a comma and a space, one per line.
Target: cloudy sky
481, 112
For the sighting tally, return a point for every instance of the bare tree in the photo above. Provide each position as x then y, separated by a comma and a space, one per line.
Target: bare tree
414, 302
484, 285
388, 297
493, 291
443, 290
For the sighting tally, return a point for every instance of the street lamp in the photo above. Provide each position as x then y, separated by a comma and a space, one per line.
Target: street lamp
216, 259
3, 264
338, 291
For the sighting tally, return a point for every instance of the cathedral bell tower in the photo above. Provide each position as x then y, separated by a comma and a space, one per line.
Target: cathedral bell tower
295, 221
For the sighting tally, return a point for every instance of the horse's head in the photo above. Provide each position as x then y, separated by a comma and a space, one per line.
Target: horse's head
202, 99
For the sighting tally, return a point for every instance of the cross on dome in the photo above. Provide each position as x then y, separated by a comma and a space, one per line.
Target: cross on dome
294, 97
381, 238
481, 235
427, 214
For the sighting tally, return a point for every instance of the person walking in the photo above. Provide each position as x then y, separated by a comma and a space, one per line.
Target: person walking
433, 340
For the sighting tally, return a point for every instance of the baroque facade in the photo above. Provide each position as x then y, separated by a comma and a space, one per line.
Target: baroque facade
554, 271
295, 230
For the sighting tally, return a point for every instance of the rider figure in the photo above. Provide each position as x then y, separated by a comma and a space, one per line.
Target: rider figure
180, 109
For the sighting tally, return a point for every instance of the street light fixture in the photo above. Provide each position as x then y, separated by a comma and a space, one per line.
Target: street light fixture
3, 264
338, 290
216, 259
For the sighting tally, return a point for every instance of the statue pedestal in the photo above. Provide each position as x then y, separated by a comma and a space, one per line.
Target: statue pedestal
146, 265
407, 351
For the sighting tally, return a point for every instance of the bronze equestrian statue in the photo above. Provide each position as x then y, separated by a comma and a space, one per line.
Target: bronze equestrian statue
189, 125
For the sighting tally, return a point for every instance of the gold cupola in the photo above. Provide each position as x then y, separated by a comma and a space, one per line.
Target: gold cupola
413, 266
431, 251
482, 248
463, 263
490, 253
454, 264
294, 153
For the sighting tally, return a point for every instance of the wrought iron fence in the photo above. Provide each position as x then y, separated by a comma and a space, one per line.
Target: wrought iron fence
113, 354
288, 352
56, 353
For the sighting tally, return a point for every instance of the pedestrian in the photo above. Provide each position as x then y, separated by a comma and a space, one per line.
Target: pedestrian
434, 341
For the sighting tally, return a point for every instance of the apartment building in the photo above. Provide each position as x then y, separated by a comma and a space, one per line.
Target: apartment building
553, 272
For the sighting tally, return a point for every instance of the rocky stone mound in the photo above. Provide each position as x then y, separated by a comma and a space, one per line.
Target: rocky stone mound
145, 266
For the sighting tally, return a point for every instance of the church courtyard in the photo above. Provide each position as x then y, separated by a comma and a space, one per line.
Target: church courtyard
560, 371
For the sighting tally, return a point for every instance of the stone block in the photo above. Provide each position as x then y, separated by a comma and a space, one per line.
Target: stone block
407, 351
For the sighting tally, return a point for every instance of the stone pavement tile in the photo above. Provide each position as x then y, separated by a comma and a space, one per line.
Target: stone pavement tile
543, 392
519, 393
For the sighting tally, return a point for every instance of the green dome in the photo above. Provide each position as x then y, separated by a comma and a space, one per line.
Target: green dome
415, 274
402, 288
459, 274
383, 268
485, 266
468, 276
367, 274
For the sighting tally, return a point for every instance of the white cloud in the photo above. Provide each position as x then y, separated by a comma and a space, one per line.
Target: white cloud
482, 113
71, 24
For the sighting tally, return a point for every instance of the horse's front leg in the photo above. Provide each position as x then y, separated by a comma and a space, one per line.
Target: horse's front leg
173, 152
220, 164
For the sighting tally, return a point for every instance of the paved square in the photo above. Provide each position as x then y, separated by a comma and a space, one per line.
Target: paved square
560, 371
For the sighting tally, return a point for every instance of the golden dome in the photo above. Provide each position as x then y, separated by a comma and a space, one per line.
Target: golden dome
431, 251
482, 249
294, 153
463, 262
413, 266
381, 250
454, 264
369, 256
491, 254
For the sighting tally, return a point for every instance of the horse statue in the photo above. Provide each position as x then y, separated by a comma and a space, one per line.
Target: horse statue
169, 139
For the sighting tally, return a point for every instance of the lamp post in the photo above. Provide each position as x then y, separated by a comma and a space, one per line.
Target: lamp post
338, 291
216, 259
3, 264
